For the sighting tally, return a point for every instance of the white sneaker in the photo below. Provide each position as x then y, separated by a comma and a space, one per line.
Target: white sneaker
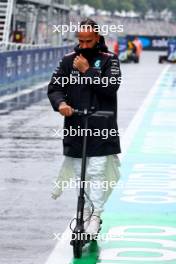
94, 225
87, 215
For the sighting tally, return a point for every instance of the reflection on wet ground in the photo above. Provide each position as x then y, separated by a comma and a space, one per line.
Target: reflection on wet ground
23, 136
30, 157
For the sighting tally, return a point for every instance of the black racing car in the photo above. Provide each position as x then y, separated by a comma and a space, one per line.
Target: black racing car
171, 53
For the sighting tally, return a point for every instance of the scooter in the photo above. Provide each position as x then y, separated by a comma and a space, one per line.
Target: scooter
79, 237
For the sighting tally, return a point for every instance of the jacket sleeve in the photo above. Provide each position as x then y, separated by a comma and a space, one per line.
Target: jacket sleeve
109, 79
56, 91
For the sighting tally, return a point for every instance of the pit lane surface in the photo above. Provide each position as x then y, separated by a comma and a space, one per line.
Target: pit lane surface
30, 158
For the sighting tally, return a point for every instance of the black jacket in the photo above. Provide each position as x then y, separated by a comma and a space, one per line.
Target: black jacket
86, 95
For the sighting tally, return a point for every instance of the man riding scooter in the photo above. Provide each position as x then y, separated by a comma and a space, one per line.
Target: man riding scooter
89, 62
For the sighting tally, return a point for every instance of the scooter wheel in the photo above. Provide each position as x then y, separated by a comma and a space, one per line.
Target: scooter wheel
77, 249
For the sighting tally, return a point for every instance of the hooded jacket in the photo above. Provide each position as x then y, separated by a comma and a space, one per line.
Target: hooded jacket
98, 91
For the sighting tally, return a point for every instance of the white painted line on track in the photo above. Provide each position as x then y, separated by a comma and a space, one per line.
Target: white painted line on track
63, 252
137, 119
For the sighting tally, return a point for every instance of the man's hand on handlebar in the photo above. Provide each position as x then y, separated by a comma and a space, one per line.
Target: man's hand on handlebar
65, 109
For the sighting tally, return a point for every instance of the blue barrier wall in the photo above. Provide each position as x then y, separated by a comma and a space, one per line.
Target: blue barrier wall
152, 42
22, 64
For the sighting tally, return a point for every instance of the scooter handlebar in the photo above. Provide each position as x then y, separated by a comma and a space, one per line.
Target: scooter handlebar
93, 113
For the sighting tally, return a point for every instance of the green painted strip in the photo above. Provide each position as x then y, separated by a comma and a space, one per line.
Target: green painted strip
139, 223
